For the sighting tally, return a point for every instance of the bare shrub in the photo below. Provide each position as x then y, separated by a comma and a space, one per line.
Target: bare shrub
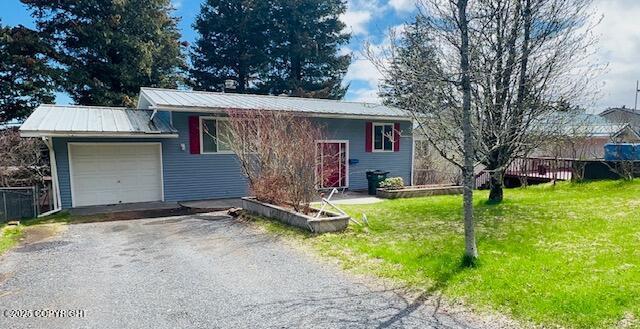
277, 154
431, 168
23, 161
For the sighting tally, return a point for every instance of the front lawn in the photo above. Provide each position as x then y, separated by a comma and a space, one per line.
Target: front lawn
566, 255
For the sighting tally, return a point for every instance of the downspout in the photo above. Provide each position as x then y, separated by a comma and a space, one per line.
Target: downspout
413, 153
57, 206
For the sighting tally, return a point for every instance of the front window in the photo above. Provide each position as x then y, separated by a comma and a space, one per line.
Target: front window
215, 135
383, 137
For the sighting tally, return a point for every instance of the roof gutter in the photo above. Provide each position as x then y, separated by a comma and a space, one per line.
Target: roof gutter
32, 133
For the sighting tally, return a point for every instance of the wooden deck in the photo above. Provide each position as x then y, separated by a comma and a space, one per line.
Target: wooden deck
531, 171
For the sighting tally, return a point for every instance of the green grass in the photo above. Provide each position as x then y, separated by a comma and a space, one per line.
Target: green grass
61, 217
565, 255
9, 237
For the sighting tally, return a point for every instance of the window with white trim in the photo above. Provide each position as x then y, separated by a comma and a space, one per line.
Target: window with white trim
214, 135
382, 137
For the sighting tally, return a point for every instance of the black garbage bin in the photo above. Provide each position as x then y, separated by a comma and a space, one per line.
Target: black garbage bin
374, 178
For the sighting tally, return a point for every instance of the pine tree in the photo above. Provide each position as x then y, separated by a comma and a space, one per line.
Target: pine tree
26, 78
305, 43
415, 48
232, 44
109, 49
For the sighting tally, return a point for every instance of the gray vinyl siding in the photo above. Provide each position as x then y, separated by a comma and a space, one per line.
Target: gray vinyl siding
398, 164
209, 176
198, 176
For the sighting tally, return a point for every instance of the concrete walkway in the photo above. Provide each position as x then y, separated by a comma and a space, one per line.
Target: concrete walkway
352, 197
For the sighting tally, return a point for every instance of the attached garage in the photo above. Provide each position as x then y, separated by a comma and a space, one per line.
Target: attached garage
104, 174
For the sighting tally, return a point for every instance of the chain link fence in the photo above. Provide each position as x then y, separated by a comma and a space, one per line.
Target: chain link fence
18, 203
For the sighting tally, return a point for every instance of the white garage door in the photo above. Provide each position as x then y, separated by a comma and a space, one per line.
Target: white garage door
104, 174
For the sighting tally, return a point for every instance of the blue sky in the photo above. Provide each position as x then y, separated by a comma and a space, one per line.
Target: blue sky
370, 20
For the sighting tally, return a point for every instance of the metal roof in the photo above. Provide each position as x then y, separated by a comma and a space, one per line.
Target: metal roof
72, 120
619, 109
594, 126
182, 100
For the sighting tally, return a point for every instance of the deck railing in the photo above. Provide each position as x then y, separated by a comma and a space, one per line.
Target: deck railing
534, 169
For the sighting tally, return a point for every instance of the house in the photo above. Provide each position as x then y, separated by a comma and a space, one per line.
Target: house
157, 152
584, 137
622, 115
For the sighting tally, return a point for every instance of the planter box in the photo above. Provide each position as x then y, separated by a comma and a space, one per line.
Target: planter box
419, 191
332, 222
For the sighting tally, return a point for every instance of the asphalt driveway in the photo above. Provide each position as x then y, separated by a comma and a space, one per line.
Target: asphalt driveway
200, 271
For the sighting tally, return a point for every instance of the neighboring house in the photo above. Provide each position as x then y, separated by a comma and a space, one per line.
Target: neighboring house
585, 137
623, 115
103, 155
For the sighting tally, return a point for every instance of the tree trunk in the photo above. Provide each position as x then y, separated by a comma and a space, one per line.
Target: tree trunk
496, 186
471, 251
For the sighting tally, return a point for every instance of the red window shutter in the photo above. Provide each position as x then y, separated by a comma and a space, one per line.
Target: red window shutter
368, 140
194, 134
396, 137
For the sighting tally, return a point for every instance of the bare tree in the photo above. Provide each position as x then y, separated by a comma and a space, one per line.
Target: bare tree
471, 250
429, 73
22, 160
527, 60
277, 154
484, 79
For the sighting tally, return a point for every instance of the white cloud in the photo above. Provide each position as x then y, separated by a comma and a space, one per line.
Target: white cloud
403, 5
365, 95
620, 48
356, 21
364, 70
176, 4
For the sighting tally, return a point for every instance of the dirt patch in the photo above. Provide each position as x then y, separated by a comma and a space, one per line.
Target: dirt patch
34, 237
37, 233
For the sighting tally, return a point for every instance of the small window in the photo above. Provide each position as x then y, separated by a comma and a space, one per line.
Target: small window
383, 137
215, 135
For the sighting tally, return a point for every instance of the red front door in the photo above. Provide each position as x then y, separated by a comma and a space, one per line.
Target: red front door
332, 164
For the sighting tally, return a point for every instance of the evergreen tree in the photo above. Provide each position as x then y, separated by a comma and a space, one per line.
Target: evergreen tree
109, 49
415, 48
232, 44
305, 42
26, 79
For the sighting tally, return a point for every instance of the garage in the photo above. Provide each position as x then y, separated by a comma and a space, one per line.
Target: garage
113, 173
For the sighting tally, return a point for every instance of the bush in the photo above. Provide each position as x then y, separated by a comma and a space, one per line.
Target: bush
276, 152
392, 183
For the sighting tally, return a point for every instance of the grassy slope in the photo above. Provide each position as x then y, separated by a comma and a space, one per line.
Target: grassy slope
558, 255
